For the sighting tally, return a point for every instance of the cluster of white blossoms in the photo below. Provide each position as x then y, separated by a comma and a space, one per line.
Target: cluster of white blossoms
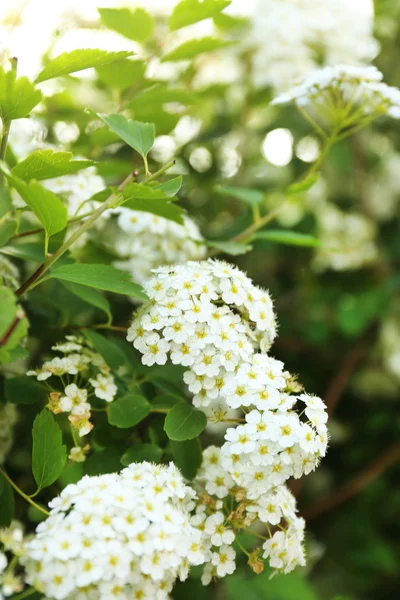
224, 509
123, 536
346, 93
11, 540
144, 241
349, 239
83, 373
293, 37
8, 419
211, 318
77, 189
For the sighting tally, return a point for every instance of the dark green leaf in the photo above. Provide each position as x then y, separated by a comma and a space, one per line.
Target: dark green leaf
134, 24
140, 453
45, 164
102, 277
33, 251
48, 453
171, 187
111, 353
106, 461
193, 11
165, 401
139, 136
232, 248
127, 411
90, 296
290, 238
187, 457
184, 422
193, 48
246, 195
155, 201
78, 60
7, 503
24, 390
17, 96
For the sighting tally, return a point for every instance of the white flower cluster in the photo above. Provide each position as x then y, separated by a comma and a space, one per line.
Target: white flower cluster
218, 524
116, 536
8, 419
211, 318
77, 189
293, 37
349, 92
85, 372
349, 239
11, 539
144, 241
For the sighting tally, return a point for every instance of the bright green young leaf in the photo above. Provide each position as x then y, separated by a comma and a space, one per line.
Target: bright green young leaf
187, 457
127, 411
101, 277
184, 422
232, 248
48, 208
193, 48
246, 195
303, 186
142, 452
78, 60
90, 296
6, 203
171, 187
122, 74
134, 24
289, 238
45, 164
193, 11
18, 96
7, 503
111, 353
48, 453
139, 136
155, 201
24, 390
259, 587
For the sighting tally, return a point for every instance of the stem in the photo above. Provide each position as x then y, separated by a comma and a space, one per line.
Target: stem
24, 594
41, 229
157, 174
146, 166
311, 121
24, 496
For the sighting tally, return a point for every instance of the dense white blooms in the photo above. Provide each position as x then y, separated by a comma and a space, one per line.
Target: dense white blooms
211, 318
293, 37
94, 378
77, 189
144, 241
116, 536
349, 239
8, 419
346, 93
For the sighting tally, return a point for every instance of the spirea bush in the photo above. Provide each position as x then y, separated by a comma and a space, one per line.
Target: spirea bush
156, 327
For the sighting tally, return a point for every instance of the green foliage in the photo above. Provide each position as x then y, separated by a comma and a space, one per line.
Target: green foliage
18, 96
122, 73
140, 453
128, 411
193, 48
152, 200
283, 587
193, 11
24, 390
7, 502
187, 456
134, 24
112, 354
246, 195
90, 296
78, 60
170, 187
45, 164
13, 325
139, 136
184, 422
289, 238
48, 453
232, 248
101, 277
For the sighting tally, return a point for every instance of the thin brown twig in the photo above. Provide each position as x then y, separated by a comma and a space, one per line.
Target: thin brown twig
355, 485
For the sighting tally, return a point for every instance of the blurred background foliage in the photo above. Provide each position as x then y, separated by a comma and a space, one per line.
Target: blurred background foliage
337, 303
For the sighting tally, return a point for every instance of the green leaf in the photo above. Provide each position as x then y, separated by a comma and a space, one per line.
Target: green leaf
184, 422
89, 296
106, 461
155, 201
187, 457
165, 401
193, 11
7, 503
48, 453
171, 187
232, 248
140, 453
78, 60
17, 96
6, 203
122, 74
259, 587
8, 226
45, 164
139, 136
33, 251
303, 186
127, 411
24, 390
134, 24
101, 277
48, 208
111, 353
290, 238
193, 48
246, 195
13, 325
